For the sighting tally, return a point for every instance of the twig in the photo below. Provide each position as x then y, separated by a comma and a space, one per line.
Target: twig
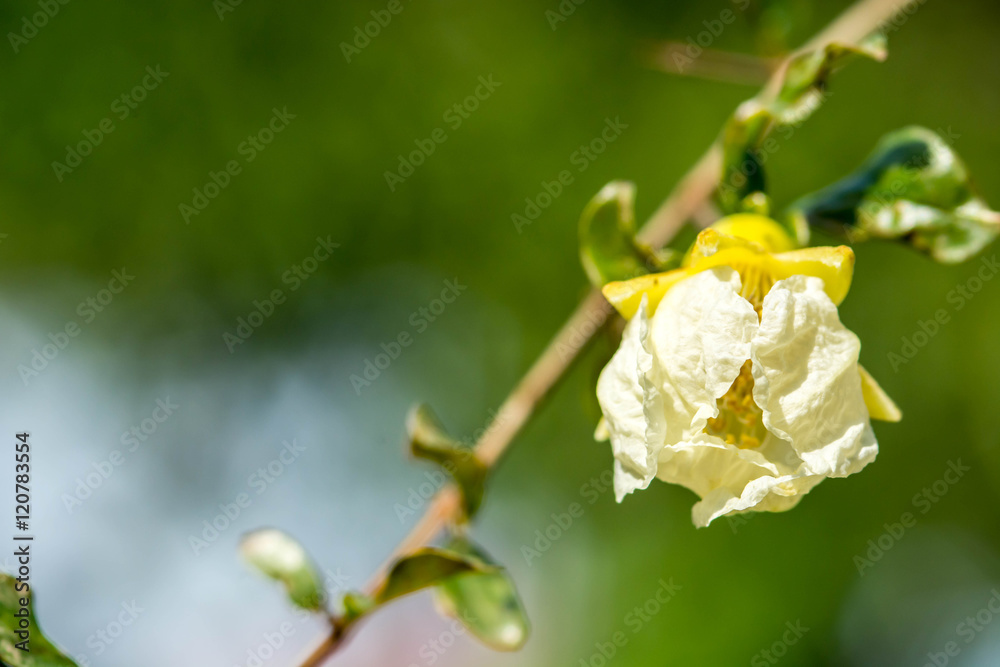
689, 199
738, 68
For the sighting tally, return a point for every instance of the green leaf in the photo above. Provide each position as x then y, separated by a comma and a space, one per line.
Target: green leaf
428, 440
41, 652
609, 250
283, 559
913, 188
807, 74
742, 163
426, 567
799, 92
356, 605
487, 604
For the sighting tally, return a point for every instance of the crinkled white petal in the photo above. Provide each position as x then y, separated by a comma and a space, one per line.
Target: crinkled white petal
806, 379
632, 407
763, 494
731, 480
701, 335
706, 463
662, 385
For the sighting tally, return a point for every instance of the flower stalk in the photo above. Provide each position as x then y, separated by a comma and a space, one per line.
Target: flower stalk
690, 199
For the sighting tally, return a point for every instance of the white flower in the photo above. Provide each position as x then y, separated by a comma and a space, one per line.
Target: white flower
743, 388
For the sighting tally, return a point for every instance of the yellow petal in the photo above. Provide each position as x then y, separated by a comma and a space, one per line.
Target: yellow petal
834, 265
711, 242
880, 406
760, 229
602, 433
625, 295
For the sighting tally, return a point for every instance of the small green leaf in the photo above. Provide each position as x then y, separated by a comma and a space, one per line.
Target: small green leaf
742, 167
799, 93
913, 188
807, 74
424, 568
356, 605
16, 628
757, 203
283, 559
487, 604
609, 250
428, 440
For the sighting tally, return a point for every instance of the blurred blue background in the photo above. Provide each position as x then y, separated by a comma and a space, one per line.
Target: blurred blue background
222, 74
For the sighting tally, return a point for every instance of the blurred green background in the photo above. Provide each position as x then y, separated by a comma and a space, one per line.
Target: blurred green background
323, 176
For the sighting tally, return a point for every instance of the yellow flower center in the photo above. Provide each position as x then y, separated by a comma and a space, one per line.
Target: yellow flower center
756, 281
740, 421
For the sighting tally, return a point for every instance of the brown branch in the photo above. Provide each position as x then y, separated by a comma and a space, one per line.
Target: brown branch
712, 65
690, 199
